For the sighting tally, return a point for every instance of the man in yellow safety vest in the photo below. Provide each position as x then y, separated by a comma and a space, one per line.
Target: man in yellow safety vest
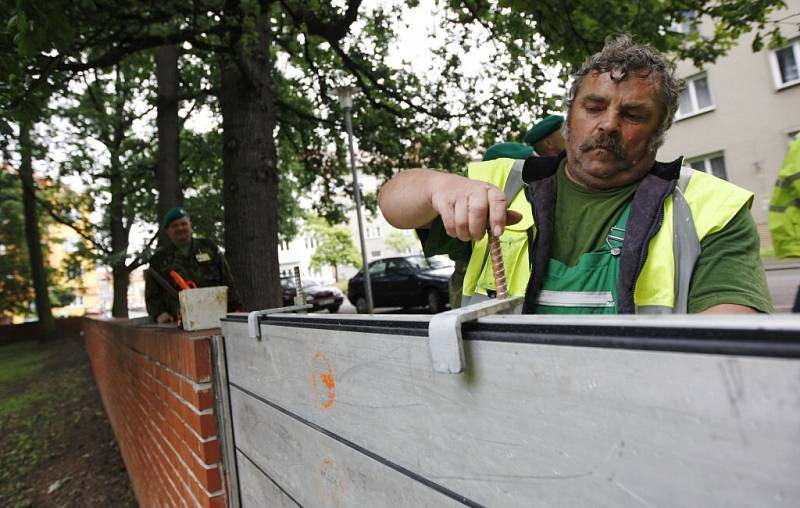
608, 229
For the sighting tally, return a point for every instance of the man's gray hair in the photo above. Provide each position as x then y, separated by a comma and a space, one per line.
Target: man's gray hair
620, 57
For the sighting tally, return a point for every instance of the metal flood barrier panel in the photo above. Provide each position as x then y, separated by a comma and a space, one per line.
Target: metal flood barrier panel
693, 411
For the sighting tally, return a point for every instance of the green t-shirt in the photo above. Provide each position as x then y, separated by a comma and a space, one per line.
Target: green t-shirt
729, 269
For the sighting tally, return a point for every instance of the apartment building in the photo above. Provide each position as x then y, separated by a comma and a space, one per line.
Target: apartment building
737, 116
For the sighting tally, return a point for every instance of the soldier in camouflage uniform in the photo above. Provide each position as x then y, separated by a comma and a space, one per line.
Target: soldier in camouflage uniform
195, 259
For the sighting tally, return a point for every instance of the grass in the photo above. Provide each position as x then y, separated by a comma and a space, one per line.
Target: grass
56, 444
24, 395
20, 366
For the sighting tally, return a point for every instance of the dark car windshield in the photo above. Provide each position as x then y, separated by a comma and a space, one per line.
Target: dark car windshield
424, 263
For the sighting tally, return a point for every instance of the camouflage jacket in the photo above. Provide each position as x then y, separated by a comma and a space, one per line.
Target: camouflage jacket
204, 264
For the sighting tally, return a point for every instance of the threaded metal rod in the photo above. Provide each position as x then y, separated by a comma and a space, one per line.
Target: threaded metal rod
497, 267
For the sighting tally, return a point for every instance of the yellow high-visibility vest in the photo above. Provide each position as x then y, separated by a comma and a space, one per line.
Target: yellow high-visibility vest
709, 202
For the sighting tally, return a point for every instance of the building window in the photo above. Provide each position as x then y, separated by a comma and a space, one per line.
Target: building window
375, 254
686, 24
785, 65
713, 164
696, 98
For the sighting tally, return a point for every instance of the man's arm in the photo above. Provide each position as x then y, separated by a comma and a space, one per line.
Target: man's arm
154, 297
729, 308
414, 198
729, 276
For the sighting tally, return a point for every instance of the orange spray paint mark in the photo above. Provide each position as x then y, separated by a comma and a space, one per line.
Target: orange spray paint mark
322, 381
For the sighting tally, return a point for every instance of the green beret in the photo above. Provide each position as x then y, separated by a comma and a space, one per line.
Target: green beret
508, 151
543, 129
174, 214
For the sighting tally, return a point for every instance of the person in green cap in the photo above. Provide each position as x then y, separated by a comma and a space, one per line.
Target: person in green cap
604, 227
195, 259
545, 137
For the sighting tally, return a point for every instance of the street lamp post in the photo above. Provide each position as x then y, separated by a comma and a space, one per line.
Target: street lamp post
345, 95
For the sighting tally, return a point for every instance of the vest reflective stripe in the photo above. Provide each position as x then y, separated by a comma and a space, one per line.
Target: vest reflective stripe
684, 241
575, 298
672, 253
479, 278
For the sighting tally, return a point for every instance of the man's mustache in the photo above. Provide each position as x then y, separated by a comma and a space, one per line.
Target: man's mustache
610, 143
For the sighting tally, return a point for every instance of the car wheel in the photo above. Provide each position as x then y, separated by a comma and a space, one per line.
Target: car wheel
435, 301
361, 305
333, 309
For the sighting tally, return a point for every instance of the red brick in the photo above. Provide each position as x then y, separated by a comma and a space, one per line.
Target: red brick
205, 425
207, 451
200, 398
199, 368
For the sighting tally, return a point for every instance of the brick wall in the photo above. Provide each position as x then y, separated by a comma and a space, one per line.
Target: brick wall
156, 388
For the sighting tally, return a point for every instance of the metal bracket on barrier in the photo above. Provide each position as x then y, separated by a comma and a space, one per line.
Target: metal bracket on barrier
254, 331
444, 332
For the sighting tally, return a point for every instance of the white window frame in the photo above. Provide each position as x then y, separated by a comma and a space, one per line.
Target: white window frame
776, 69
707, 163
686, 26
693, 98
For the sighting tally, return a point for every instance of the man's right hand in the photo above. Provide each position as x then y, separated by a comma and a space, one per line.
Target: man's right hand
165, 317
467, 207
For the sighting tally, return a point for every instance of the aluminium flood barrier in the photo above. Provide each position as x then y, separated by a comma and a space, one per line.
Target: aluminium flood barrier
688, 411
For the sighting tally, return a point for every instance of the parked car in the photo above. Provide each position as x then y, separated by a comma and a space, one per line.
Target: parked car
408, 281
318, 295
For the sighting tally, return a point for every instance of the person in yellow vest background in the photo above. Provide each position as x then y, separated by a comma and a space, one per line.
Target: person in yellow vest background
546, 137
603, 227
784, 210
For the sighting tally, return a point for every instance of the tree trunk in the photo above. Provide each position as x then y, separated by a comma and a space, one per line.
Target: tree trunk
119, 240
250, 193
121, 278
33, 235
168, 171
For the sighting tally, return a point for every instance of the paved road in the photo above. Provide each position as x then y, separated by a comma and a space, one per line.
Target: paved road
783, 282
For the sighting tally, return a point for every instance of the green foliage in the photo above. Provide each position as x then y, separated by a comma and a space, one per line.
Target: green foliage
201, 177
573, 31
334, 246
16, 287
399, 242
61, 296
115, 166
16, 290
